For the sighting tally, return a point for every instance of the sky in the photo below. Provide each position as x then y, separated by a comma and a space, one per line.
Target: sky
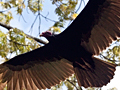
48, 8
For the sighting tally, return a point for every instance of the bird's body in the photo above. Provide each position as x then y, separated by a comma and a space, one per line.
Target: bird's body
70, 52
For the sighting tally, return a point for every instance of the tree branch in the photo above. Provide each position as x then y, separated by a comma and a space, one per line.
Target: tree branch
36, 39
110, 59
17, 43
6, 26
48, 18
73, 84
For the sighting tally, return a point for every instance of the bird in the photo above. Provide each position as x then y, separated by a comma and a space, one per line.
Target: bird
70, 52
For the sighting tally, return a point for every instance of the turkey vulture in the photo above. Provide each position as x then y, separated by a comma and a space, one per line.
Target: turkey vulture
69, 52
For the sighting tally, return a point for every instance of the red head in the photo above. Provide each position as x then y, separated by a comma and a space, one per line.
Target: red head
46, 34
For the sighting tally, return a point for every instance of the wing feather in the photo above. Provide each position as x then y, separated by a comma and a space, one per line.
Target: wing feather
34, 77
39, 76
105, 29
33, 86
40, 79
21, 83
24, 78
15, 79
80, 79
53, 74
10, 84
38, 69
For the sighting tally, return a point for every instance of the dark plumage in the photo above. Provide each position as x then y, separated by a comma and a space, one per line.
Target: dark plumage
70, 52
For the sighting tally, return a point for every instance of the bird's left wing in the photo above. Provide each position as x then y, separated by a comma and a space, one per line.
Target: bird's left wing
95, 27
105, 27
38, 69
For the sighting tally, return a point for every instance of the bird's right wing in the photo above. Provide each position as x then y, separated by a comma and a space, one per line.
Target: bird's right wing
38, 69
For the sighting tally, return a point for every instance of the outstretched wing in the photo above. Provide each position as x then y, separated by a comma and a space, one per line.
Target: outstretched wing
38, 69
96, 26
105, 29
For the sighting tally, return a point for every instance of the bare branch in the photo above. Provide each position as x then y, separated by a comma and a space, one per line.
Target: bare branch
33, 23
48, 18
36, 39
109, 59
80, 5
83, 2
39, 23
73, 84
39, 16
22, 18
17, 43
59, 9
6, 26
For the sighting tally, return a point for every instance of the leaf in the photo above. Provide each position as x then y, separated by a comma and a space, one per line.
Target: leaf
74, 15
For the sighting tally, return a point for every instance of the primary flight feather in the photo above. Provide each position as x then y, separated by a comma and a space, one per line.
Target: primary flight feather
70, 52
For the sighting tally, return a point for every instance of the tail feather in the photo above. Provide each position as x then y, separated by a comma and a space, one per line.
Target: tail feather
86, 81
80, 82
98, 76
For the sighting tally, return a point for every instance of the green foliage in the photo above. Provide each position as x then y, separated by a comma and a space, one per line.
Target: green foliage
70, 83
19, 43
18, 4
35, 5
65, 11
3, 45
55, 29
15, 42
114, 88
6, 17
113, 54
